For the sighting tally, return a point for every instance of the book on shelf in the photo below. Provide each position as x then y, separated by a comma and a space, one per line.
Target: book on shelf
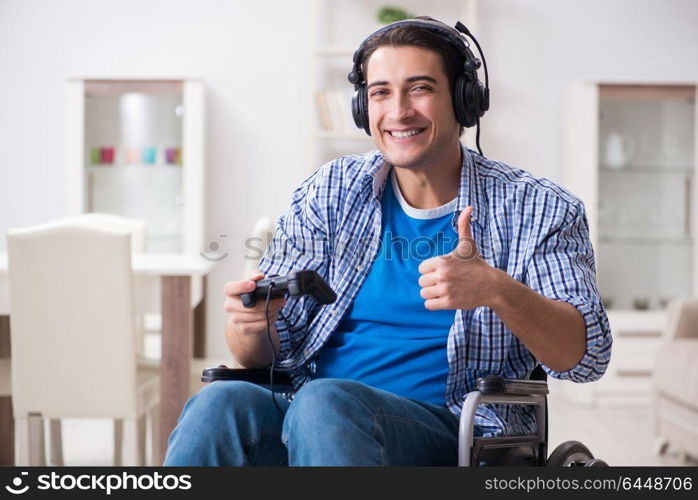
323, 112
334, 110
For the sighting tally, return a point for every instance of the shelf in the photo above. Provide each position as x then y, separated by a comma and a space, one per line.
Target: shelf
639, 322
331, 134
648, 170
128, 119
645, 240
646, 92
135, 166
335, 50
114, 88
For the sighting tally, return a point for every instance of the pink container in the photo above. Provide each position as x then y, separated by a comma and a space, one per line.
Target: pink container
107, 154
132, 155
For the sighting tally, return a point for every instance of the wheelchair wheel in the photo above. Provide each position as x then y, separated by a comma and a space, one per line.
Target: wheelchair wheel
573, 454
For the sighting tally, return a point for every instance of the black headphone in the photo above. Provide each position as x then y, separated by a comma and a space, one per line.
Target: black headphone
470, 97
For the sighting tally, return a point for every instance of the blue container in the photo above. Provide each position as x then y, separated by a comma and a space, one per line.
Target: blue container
149, 155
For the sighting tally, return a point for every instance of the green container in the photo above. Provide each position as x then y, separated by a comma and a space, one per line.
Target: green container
95, 156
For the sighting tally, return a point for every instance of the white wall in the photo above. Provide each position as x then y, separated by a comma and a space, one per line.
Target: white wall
252, 56
535, 48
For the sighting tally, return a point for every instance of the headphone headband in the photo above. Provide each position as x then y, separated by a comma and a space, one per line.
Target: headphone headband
451, 35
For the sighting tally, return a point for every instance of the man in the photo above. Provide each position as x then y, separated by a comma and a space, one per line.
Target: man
497, 277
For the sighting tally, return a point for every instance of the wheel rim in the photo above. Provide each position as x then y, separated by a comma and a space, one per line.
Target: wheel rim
575, 459
570, 454
596, 462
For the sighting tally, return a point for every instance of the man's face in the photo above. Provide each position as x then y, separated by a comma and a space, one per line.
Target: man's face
410, 107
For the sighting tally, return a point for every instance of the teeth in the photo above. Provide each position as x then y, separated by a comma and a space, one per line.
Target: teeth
406, 133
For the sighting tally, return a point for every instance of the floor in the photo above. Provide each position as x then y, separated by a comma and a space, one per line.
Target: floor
620, 436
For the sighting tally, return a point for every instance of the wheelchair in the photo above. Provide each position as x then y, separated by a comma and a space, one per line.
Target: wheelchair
527, 450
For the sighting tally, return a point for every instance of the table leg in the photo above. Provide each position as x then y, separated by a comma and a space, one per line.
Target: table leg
177, 340
5, 351
200, 324
7, 422
7, 432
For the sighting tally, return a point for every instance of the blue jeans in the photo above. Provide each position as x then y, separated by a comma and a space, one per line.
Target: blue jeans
329, 422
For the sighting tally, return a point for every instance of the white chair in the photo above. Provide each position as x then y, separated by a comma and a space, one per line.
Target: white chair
135, 227
146, 289
74, 338
146, 298
675, 381
262, 234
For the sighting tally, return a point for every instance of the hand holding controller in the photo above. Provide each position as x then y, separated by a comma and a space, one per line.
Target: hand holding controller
296, 284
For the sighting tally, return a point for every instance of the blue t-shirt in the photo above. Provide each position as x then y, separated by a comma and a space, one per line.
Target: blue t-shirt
388, 339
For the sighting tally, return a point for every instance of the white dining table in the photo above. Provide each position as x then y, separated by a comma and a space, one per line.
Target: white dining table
175, 272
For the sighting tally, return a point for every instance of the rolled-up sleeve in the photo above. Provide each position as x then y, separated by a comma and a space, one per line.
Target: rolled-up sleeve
562, 268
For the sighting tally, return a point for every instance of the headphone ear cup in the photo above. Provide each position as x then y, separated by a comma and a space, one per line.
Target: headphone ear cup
467, 100
363, 101
355, 109
460, 102
476, 97
359, 109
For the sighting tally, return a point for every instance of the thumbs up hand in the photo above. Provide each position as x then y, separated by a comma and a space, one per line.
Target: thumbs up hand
460, 279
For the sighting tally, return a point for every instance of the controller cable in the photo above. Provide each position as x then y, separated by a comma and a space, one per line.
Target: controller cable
273, 351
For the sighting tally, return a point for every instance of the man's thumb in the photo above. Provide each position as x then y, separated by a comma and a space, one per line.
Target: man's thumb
466, 248
464, 231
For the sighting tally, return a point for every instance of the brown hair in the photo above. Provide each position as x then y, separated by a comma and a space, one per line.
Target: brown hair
417, 37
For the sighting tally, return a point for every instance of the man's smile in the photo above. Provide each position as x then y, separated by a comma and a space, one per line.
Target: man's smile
405, 135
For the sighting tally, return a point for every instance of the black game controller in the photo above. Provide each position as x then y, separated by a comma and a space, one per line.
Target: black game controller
259, 376
296, 284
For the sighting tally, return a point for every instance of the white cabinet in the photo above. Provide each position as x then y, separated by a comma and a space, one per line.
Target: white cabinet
628, 379
337, 28
630, 156
135, 149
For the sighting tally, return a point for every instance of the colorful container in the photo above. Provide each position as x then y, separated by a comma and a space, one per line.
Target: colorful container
107, 154
149, 155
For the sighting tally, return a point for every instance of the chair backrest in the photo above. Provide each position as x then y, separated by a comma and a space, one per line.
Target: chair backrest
72, 322
682, 319
136, 227
261, 236
146, 288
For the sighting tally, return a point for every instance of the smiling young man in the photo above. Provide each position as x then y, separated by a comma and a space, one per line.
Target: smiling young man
448, 266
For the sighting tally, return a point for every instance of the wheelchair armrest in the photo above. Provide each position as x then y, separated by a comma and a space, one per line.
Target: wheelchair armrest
493, 384
498, 390
259, 376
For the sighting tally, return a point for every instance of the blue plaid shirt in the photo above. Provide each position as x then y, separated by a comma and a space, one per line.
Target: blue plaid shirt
528, 227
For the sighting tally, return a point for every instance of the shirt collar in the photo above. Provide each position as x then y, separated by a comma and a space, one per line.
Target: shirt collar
469, 193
